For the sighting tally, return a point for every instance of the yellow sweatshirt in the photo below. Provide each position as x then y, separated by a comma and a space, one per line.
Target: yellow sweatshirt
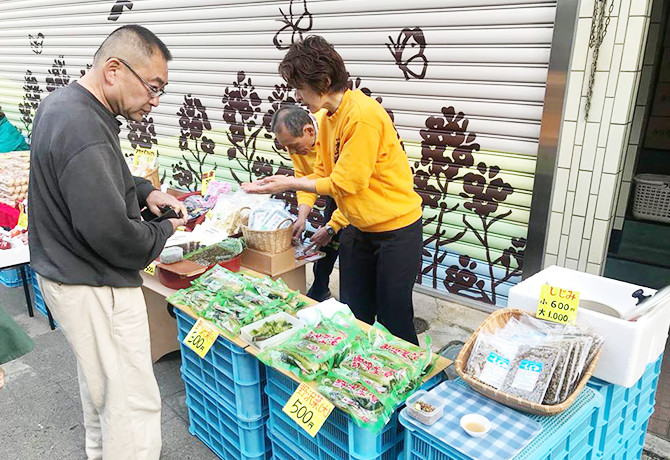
303, 165
361, 164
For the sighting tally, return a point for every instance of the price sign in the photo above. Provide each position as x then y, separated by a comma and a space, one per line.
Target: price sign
23, 221
206, 179
151, 269
308, 408
201, 337
558, 305
143, 156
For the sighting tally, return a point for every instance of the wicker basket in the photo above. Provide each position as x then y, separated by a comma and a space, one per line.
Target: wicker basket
269, 241
153, 177
652, 197
497, 320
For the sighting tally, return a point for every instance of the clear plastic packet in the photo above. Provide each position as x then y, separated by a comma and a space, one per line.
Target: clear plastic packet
374, 370
223, 251
367, 408
530, 372
490, 359
193, 297
558, 379
400, 352
219, 278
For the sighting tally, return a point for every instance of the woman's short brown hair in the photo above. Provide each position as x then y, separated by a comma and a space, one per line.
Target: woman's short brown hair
315, 63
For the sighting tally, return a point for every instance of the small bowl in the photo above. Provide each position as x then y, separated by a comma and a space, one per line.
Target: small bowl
470, 423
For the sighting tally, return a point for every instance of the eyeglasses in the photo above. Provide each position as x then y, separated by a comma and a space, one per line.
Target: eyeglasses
153, 91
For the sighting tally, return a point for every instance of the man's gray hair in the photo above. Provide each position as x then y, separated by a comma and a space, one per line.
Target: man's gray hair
293, 117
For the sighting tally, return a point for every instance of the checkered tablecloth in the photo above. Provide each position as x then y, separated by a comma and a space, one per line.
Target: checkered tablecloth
510, 432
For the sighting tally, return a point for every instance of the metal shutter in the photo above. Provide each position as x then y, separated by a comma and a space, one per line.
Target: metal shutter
464, 81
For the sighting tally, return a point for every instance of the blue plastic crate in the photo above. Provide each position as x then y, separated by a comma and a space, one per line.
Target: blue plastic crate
38, 302
11, 277
212, 422
237, 377
625, 413
564, 436
339, 437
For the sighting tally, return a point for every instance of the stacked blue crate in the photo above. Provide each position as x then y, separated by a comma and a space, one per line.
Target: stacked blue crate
228, 409
565, 436
339, 438
622, 422
11, 277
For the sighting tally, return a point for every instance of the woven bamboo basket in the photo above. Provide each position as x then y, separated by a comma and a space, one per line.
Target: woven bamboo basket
269, 241
153, 177
497, 320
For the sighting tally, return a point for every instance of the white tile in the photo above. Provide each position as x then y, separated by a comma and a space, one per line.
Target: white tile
580, 47
645, 84
589, 148
593, 269
651, 44
597, 170
590, 215
623, 16
598, 97
634, 46
623, 97
629, 165
566, 144
572, 99
581, 129
583, 255
636, 127
586, 9
615, 149
613, 79
574, 169
554, 232
562, 249
549, 260
560, 187
572, 264
576, 233
618, 223
622, 203
582, 193
605, 122
607, 47
606, 196
640, 7
599, 240
567, 215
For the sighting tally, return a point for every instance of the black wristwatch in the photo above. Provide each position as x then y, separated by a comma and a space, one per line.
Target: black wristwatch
330, 230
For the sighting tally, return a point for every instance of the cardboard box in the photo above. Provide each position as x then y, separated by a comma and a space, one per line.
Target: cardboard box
269, 264
295, 279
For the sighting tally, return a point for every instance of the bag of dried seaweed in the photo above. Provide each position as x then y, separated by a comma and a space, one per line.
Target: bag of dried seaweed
490, 359
530, 372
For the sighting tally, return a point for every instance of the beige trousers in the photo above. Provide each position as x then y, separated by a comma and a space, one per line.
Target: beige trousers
108, 331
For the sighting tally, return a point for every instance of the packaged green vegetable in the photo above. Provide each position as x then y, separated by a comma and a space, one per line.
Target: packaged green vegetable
417, 360
219, 278
193, 297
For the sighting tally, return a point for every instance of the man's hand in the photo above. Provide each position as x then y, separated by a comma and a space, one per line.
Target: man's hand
158, 199
321, 237
298, 229
178, 223
272, 184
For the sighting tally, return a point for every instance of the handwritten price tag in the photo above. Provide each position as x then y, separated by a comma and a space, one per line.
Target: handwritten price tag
201, 337
151, 269
23, 221
558, 305
143, 156
308, 408
206, 179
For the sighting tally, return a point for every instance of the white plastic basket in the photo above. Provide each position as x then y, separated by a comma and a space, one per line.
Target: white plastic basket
652, 197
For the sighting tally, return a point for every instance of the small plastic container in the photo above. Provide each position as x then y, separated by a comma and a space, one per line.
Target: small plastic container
475, 425
427, 418
247, 335
171, 255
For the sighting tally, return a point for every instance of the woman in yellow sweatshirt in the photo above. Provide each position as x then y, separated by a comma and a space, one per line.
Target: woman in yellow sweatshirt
362, 165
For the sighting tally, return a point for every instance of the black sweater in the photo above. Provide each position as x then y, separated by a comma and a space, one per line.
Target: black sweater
83, 203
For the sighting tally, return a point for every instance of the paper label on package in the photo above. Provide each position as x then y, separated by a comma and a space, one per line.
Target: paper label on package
143, 156
527, 375
23, 221
495, 370
206, 179
308, 408
558, 305
201, 337
151, 269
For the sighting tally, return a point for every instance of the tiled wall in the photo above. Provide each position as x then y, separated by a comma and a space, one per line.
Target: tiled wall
591, 152
652, 55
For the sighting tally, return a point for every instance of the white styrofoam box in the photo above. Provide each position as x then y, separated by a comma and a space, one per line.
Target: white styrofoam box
629, 345
326, 309
246, 331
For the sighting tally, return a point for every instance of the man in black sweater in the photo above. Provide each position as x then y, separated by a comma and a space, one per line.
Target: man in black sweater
88, 242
